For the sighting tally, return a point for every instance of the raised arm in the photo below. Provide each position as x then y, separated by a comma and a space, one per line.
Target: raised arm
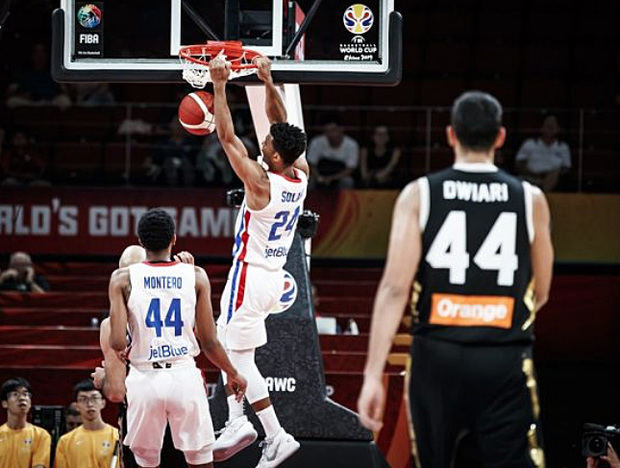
249, 171
541, 252
274, 105
119, 285
402, 262
207, 335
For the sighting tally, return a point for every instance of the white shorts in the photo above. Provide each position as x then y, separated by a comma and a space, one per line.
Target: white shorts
249, 295
176, 396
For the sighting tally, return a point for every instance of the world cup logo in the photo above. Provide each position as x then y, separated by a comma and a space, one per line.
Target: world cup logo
358, 19
89, 16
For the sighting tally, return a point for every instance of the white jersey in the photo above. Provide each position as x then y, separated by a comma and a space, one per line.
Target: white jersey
264, 237
162, 312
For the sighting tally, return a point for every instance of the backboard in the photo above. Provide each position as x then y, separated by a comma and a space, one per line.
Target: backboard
310, 41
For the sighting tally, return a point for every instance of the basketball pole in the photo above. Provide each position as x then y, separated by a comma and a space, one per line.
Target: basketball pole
292, 102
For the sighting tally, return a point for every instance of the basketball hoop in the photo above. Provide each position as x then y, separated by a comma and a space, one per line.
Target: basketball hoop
195, 60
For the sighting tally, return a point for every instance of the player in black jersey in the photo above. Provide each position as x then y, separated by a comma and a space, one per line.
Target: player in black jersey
473, 245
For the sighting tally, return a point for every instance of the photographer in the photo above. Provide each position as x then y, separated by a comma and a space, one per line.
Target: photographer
611, 458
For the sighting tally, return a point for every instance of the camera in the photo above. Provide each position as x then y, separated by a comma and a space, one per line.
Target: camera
595, 438
234, 197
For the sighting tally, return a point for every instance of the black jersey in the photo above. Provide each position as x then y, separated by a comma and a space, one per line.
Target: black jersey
474, 280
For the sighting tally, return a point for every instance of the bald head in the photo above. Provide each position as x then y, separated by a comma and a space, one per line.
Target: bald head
132, 254
20, 261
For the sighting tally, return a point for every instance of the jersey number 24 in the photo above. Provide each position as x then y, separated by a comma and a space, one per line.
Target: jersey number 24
497, 252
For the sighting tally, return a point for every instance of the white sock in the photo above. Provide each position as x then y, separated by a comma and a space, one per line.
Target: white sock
235, 408
269, 420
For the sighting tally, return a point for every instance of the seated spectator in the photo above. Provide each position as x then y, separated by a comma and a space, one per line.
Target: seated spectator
91, 94
35, 86
334, 157
541, 160
379, 160
94, 440
73, 418
21, 443
175, 157
20, 276
22, 163
213, 163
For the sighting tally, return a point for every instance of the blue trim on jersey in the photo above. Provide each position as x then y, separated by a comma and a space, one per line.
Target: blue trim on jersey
239, 232
232, 292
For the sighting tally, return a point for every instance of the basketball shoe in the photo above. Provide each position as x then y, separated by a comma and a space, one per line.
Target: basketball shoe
277, 449
236, 435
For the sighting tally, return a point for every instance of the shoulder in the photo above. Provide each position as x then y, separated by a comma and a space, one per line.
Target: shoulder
114, 431
201, 275
40, 432
120, 275
318, 140
409, 197
4, 428
350, 141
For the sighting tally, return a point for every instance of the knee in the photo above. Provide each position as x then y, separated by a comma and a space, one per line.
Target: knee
202, 456
146, 458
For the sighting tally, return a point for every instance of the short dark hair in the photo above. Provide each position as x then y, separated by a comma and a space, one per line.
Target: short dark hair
156, 230
71, 411
11, 385
476, 119
86, 385
288, 140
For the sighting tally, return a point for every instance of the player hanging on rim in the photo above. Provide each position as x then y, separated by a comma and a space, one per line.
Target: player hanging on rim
165, 305
476, 241
274, 194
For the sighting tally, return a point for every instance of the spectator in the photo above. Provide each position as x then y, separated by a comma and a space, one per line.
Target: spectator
540, 161
73, 418
36, 86
22, 163
378, 161
92, 94
21, 443
611, 458
334, 157
94, 440
20, 276
213, 163
175, 157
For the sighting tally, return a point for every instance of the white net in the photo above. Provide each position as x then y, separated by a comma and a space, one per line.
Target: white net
197, 74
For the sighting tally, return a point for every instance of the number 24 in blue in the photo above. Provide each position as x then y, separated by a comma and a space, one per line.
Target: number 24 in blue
173, 317
282, 216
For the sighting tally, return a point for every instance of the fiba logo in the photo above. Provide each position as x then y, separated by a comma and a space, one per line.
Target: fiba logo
358, 19
289, 294
358, 40
89, 16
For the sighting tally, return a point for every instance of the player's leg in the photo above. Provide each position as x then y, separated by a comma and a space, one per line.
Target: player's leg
507, 425
434, 402
189, 416
146, 417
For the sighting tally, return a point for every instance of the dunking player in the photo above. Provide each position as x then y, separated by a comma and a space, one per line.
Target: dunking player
479, 241
161, 301
274, 197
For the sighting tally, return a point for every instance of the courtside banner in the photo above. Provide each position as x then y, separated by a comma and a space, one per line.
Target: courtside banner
354, 224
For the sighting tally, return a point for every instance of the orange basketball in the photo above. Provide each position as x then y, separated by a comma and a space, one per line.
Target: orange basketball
196, 113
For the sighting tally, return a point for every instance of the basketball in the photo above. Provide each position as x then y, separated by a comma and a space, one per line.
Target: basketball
196, 113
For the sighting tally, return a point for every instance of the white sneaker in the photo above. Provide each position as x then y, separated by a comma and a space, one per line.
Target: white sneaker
278, 449
236, 435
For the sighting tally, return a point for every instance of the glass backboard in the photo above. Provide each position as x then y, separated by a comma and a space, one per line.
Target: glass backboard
310, 41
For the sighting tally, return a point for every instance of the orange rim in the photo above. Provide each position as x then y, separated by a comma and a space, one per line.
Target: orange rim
236, 54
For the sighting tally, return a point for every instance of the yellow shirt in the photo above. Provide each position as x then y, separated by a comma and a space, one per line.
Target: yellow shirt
81, 448
24, 448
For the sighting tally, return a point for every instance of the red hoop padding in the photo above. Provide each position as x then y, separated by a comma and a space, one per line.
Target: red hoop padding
239, 57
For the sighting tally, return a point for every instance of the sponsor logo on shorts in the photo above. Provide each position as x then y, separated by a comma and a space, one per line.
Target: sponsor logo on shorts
289, 294
471, 311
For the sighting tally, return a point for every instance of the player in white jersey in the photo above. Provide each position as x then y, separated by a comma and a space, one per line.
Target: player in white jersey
165, 305
274, 195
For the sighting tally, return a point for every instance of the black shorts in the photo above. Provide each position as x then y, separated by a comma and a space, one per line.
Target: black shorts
487, 393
